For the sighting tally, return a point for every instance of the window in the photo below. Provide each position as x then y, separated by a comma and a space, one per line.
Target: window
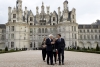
31, 30
12, 36
42, 30
39, 30
3, 30
95, 31
31, 24
80, 36
95, 36
84, 31
2, 37
53, 18
88, 36
31, 45
73, 16
31, 18
53, 23
74, 28
14, 15
46, 31
80, 31
12, 44
88, 31
14, 21
91, 36
99, 37
12, 28
75, 36
84, 37
91, 31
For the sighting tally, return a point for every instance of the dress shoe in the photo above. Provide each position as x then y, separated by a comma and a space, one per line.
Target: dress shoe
62, 63
52, 64
59, 63
47, 63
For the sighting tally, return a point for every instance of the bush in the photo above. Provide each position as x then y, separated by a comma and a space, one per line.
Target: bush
6, 48
16, 49
68, 47
0, 49
12, 50
97, 47
78, 48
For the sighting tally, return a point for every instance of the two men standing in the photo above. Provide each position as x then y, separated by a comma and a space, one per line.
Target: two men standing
59, 44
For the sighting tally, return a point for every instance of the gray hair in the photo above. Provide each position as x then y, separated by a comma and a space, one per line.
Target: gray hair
50, 35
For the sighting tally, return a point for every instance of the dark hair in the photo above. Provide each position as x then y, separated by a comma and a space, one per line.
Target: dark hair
59, 35
44, 39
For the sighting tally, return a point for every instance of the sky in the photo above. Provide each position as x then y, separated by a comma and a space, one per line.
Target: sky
87, 11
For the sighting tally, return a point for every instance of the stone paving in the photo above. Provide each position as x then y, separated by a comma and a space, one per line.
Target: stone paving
34, 59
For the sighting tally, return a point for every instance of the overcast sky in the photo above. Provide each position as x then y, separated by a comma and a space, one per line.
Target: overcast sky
87, 11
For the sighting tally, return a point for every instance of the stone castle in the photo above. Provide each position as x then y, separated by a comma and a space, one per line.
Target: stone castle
26, 30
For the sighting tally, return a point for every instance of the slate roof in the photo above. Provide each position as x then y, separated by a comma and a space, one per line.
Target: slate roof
2, 26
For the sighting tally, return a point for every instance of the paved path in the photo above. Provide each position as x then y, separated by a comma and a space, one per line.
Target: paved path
33, 59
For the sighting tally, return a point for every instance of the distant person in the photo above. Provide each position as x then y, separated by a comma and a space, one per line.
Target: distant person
60, 45
54, 51
44, 49
49, 43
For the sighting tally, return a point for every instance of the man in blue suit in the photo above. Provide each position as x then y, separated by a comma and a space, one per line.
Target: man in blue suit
60, 45
49, 48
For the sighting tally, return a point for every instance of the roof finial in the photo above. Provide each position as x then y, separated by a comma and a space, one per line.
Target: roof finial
42, 3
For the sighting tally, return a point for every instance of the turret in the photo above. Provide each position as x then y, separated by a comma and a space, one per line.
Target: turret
9, 14
19, 4
25, 13
48, 10
65, 5
42, 8
37, 8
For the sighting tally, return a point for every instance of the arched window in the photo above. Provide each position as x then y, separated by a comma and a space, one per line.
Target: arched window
39, 30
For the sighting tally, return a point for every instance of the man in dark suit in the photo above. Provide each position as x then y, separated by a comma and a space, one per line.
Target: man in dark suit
49, 48
60, 45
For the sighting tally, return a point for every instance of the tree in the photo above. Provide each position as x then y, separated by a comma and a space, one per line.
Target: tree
6, 48
97, 47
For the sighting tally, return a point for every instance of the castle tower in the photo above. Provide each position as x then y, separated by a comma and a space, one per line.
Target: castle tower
19, 4
65, 5
42, 8
9, 14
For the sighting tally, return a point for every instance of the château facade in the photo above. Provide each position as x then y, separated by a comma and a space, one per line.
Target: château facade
26, 30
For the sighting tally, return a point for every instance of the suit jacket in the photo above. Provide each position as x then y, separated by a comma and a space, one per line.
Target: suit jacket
49, 45
60, 44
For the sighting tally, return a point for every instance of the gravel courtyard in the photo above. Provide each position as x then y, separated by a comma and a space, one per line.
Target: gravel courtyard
34, 59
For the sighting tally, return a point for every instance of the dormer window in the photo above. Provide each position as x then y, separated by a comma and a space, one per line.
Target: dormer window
53, 18
31, 24
31, 18
14, 15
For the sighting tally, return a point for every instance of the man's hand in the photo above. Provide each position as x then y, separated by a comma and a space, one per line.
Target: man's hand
52, 42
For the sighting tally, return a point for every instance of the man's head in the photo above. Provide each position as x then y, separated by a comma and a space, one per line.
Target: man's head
51, 36
58, 35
